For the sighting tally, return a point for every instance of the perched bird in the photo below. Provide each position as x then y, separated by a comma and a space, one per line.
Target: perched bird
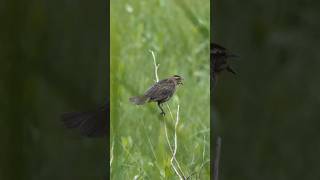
92, 123
160, 92
219, 59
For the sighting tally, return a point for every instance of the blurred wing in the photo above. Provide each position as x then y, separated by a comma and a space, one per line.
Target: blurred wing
217, 50
90, 123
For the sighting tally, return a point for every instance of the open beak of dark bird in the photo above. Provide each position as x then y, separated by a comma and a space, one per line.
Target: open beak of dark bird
178, 79
180, 82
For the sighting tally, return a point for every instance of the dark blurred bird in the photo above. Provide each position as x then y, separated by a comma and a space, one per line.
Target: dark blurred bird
160, 92
92, 123
219, 59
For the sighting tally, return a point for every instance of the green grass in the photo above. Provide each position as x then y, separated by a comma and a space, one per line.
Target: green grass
178, 34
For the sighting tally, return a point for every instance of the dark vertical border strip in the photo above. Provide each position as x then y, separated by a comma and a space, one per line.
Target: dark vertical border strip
108, 86
212, 129
215, 138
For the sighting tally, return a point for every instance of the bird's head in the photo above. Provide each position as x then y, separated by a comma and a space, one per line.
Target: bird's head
178, 79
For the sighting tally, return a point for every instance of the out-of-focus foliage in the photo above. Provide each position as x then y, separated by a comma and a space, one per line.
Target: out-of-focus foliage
269, 115
177, 31
52, 60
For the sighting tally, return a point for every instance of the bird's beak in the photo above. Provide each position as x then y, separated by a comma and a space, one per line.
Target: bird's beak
181, 81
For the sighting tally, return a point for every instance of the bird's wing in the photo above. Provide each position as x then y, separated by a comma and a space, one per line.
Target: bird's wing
217, 49
154, 88
161, 90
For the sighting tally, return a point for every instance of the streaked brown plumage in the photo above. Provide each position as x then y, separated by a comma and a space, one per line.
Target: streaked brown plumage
160, 92
219, 59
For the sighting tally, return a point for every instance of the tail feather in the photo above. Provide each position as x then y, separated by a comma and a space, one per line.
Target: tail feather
231, 70
73, 119
90, 123
138, 100
230, 55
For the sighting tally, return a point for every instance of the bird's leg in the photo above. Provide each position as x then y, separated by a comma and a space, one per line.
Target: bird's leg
162, 112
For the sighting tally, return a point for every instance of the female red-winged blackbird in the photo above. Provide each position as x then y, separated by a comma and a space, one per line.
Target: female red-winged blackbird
219, 59
160, 92
90, 123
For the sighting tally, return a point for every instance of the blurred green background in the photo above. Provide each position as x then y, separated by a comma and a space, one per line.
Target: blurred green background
53, 59
178, 33
268, 116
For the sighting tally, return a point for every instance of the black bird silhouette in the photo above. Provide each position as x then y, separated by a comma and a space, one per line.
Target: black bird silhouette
160, 92
219, 59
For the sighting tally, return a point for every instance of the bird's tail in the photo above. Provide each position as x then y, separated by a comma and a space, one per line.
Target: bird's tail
138, 100
230, 69
231, 55
90, 123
